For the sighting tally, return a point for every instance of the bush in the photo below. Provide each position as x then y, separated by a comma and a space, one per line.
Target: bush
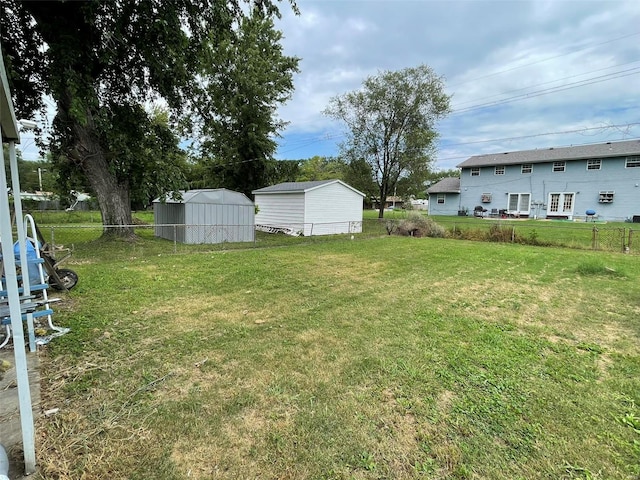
473, 234
498, 233
417, 225
391, 226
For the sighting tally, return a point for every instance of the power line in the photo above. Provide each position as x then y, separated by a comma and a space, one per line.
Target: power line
580, 130
561, 88
545, 59
589, 81
312, 140
544, 83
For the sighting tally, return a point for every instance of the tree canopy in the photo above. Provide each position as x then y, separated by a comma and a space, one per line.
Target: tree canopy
246, 75
102, 62
391, 125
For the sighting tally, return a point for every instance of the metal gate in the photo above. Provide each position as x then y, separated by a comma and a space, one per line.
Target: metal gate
612, 239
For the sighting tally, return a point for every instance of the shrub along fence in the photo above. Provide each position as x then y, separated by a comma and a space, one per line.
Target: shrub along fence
84, 239
586, 235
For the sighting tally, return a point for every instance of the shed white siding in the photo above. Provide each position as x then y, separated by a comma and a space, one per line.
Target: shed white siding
332, 209
282, 210
311, 208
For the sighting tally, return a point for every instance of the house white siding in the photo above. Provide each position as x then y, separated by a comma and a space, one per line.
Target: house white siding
332, 209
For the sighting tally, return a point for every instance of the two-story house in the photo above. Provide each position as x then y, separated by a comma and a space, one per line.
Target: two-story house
568, 182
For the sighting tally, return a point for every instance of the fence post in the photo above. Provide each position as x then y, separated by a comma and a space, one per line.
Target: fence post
53, 243
175, 238
594, 239
513, 234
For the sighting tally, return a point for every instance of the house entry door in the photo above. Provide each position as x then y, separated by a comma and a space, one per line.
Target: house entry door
560, 205
519, 204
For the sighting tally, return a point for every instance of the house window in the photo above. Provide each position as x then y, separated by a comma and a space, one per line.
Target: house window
486, 198
558, 166
499, 170
527, 168
475, 172
594, 164
605, 197
440, 199
633, 161
519, 203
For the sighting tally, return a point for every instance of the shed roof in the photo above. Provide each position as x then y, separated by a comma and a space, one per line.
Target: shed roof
302, 187
446, 185
599, 150
217, 196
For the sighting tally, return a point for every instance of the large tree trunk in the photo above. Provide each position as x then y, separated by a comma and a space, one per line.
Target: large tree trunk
383, 200
113, 195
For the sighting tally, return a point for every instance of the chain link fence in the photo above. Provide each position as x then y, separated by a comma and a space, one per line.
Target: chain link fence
85, 240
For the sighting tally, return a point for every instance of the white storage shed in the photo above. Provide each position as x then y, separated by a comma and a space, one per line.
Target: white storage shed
321, 207
205, 216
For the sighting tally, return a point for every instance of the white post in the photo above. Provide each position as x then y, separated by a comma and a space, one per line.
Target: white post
22, 374
22, 242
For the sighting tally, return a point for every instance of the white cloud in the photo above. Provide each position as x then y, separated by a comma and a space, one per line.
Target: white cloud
534, 63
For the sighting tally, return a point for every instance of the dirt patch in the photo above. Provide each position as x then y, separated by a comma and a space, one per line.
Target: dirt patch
444, 401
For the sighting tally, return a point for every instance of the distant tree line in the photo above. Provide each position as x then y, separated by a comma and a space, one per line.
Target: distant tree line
197, 175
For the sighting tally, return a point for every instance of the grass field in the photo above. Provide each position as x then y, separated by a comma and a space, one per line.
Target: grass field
367, 359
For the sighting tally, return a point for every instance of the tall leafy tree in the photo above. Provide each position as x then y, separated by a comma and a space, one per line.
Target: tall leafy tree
391, 124
279, 171
246, 76
101, 61
321, 168
359, 174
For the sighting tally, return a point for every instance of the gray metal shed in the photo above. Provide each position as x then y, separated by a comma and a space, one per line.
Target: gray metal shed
205, 216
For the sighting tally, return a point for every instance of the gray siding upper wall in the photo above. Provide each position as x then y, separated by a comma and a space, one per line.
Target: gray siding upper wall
206, 216
450, 206
576, 179
169, 214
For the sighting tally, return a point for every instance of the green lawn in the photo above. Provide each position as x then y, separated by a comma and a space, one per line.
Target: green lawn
367, 359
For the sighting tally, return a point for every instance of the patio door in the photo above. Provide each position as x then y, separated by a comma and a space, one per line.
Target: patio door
560, 205
519, 204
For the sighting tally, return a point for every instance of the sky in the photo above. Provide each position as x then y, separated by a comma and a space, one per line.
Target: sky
520, 73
